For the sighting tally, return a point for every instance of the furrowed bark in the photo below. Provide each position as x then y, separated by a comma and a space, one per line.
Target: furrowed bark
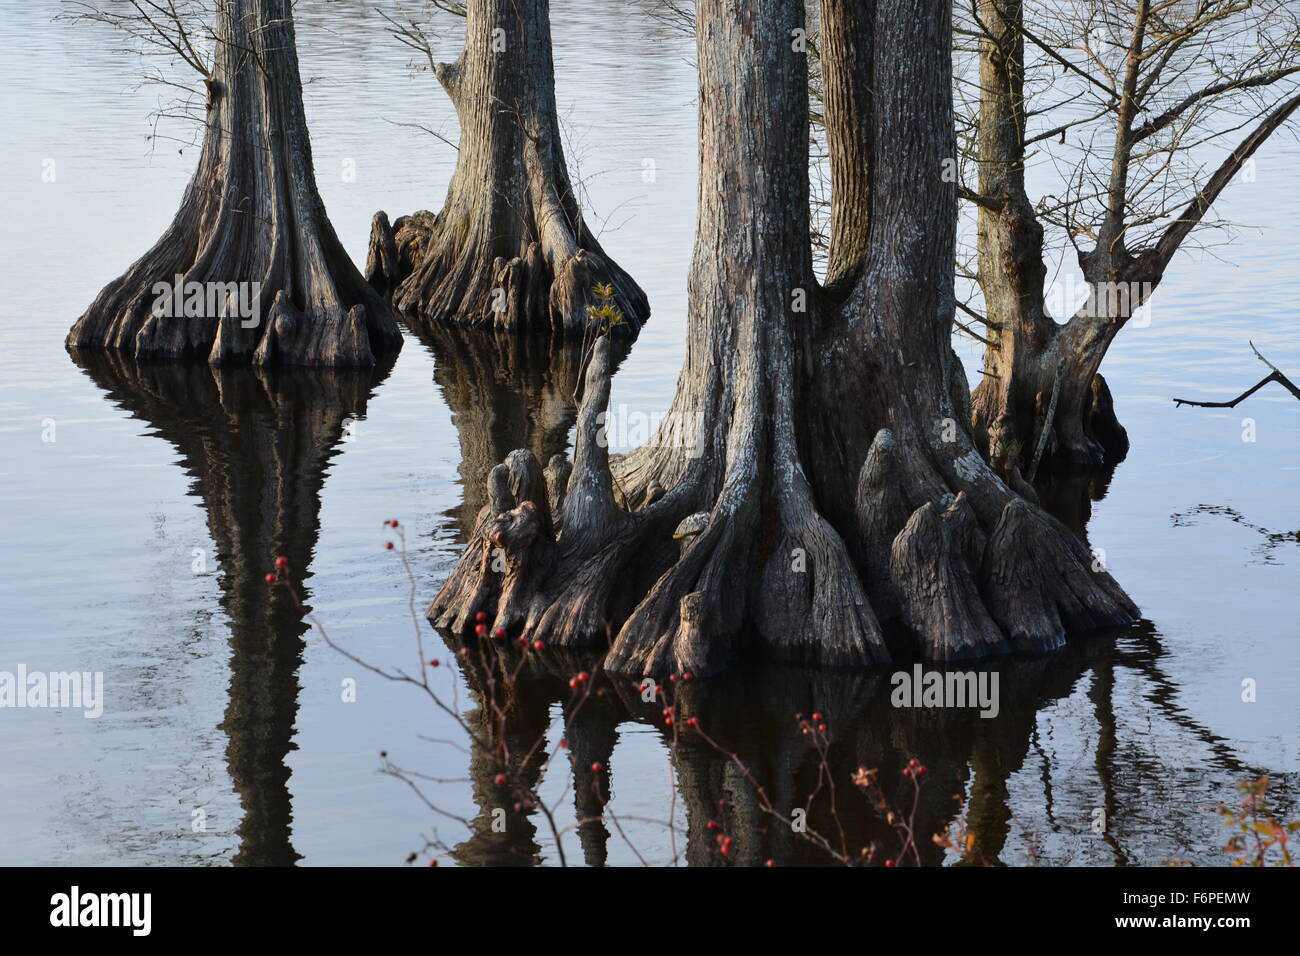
834, 494
510, 249
846, 37
251, 223
1009, 239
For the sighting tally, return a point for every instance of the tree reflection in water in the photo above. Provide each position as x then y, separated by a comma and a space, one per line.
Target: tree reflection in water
257, 445
501, 402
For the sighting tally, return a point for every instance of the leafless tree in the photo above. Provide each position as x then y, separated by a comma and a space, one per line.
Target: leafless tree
1145, 110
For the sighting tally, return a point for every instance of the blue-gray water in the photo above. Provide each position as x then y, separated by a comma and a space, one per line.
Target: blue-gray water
100, 526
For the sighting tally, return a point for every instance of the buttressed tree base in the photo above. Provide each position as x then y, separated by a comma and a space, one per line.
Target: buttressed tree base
834, 494
510, 249
251, 220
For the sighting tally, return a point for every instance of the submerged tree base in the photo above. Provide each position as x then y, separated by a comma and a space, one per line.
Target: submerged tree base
251, 235
594, 553
829, 492
510, 250
554, 286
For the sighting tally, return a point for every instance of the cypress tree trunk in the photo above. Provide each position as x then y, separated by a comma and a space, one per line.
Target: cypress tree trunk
834, 495
1037, 359
251, 214
1033, 358
846, 32
510, 249
1009, 239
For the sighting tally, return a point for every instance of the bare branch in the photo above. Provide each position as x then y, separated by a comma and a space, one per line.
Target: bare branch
1241, 83
1196, 209
1275, 376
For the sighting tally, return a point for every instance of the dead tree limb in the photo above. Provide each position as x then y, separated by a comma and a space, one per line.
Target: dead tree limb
1046, 428
1274, 376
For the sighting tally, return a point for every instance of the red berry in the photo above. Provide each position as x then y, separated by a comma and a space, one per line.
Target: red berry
282, 562
564, 744
270, 579
583, 677
500, 632
573, 683
393, 523
435, 662
500, 780
464, 652
821, 728
907, 771
920, 770
889, 863
687, 676
817, 718
770, 863
914, 762
596, 768
693, 722
668, 721
538, 645
711, 825
388, 546
480, 616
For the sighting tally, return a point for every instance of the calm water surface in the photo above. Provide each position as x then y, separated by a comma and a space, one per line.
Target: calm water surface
135, 543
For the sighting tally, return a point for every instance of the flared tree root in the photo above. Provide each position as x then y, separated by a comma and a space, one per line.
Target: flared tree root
562, 289
510, 249
688, 581
250, 270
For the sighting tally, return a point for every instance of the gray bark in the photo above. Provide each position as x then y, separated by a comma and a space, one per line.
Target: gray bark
510, 249
846, 45
836, 493
251, 214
